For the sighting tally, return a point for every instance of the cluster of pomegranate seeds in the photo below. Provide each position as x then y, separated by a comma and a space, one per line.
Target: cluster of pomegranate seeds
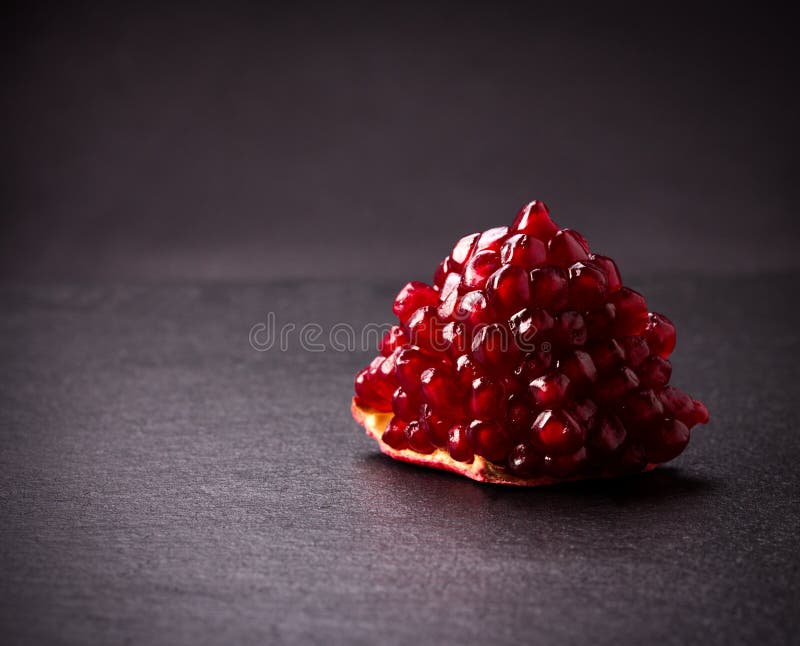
528, 352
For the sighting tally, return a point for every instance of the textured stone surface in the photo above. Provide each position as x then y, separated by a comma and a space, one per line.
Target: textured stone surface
162, 482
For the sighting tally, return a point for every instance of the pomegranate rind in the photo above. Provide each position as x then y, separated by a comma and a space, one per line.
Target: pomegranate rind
375, 421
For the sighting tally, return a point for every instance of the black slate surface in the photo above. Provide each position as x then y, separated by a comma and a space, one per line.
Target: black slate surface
163, 482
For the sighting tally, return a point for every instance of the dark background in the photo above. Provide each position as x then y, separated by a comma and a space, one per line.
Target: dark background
170, 174
252, 141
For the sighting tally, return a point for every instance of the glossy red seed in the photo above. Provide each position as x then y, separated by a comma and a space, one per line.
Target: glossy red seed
579, 367
523, 251
440, 273
606, 355
549, 288
410, 365
479, 267
606, 437
660, 334
616, 385
636, 350
458, 445
666, 441
640, 409
508, 290
489, 440
534, 365
566, 248
366, 397
600, 322
630, 459
473, 309
678, 404
609, 268
413, 296
394, 338
549, 391
631, 312
585, 412
394, 435
435, 426
518, 416
557, 433
466, 371
441, 392
426, 330
531, 327
701, 415
448, 296
405, 406
565, 466
525, 461
534, 220
486, 400
382, 377
655, 372
570, 330
463, 249
417, 438
494, 348
587, 286
456, 339
492, 239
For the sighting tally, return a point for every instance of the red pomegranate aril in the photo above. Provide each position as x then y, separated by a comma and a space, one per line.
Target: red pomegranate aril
394, 338
609, 268
636, 350
606, 355
489, 440
531, 327
655, 372
413, 296
486, 399
600, 322
405, 406
534, 365
440, 391
616, 385
523, 251
678, 404
366, 397
381, 377
557, 433
550, 390
478, 268
417, 438
409, 365
463, 249
700, 412
494, 348
549, 288
525, 461
607, 436
425, 329
630, 458
456, 339
518, 416
566, 248
570, 329
467, 371
394, 435
640, 409
587, 286
666, 441
440, 273
585, 412
565, 466
534, 220
508, 290
492, 239
448, 296
435, 426
579, 367
630, 312
473, 309
458, 445
660, 334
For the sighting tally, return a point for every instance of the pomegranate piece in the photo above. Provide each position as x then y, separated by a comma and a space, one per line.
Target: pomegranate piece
528, 362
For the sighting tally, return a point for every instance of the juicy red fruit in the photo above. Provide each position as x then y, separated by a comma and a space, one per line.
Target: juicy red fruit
527, 362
